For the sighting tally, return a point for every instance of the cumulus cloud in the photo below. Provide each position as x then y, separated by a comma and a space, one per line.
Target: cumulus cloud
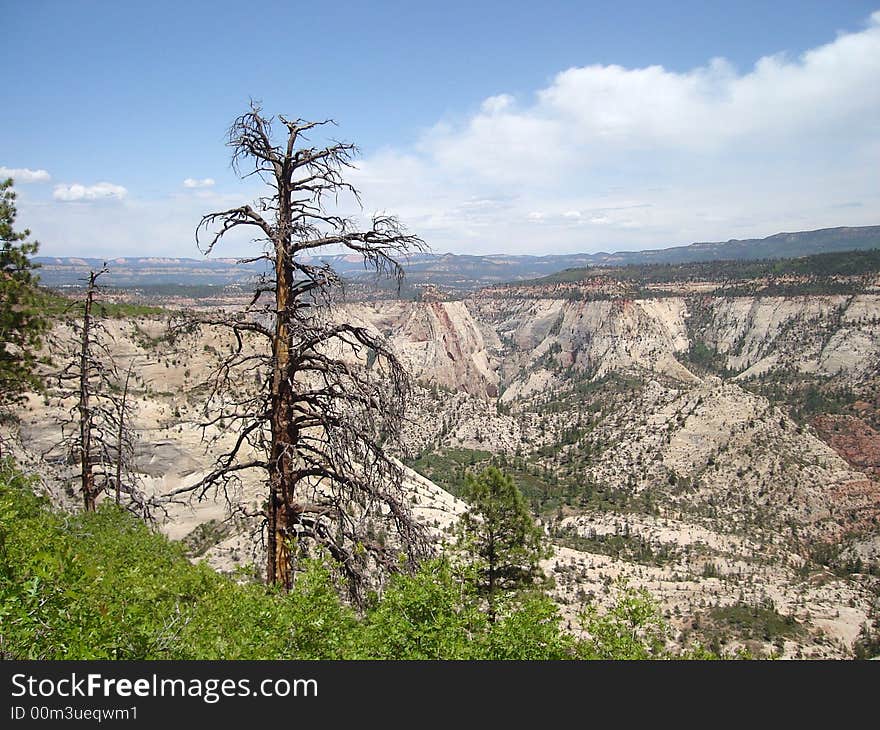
98, 191
24, 174
597, 113
634, 157
191, 182
606, 157
497, 104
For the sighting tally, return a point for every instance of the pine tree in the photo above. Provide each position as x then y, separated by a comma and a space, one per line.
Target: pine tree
22, 324
500, 537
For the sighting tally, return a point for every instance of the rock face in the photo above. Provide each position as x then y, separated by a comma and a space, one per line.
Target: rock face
597, 337
827, 335
519, 346
605, 396
718, 449
736, 495
438, 342
853, 439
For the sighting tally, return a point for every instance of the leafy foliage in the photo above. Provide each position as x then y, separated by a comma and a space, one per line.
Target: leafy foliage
531, 630
449, 467
632, 629
437, 614
102, 585
758, 620
21, 322
429, 615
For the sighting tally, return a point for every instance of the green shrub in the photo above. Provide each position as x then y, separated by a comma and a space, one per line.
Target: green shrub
103, 585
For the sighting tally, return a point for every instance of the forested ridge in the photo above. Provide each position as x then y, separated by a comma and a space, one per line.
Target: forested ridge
825, 273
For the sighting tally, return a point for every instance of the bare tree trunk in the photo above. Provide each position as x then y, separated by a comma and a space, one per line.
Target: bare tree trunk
319, 420
120, 432
492, 568
85, 412
278, 570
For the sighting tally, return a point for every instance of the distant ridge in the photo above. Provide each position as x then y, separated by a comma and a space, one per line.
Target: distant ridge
463, 271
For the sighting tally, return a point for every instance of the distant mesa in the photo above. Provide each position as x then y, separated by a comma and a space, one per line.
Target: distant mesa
466, 272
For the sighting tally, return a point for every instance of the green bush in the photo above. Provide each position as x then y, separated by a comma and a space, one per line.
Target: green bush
103, 585
633, 628
430, 615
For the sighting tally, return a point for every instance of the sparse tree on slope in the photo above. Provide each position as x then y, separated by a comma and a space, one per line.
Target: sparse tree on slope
329, 394
500, 537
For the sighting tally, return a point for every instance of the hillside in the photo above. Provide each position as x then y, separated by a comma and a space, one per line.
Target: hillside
846, 272
719, 450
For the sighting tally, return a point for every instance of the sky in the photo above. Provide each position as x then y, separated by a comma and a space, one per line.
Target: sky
486, 127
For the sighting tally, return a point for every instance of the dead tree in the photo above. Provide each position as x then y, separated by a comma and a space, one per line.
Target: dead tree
125, 442
329, 396
96, 432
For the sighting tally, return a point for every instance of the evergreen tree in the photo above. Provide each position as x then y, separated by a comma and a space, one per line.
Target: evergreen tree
21, 322
500, 537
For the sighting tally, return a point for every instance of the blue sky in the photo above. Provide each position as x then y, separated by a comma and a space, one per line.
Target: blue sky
489, 127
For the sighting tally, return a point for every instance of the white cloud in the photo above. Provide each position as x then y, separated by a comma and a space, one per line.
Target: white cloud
24, 174
606, 157
596, 113
497, 104
98, 191
652, 156
206, 182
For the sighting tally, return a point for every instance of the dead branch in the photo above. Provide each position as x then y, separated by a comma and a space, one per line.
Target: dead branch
310, 400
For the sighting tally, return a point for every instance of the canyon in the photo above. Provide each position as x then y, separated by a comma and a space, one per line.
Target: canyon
720, 451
